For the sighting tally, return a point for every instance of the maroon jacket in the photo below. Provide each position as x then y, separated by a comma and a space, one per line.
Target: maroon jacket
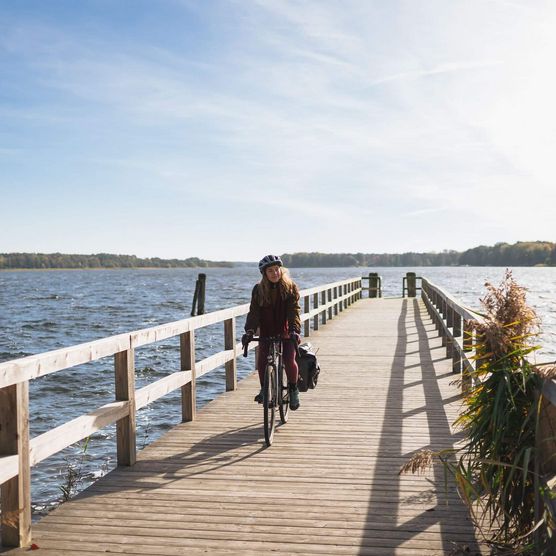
279, 318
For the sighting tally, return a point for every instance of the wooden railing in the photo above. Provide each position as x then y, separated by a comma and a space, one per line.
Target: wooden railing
454, 323
18, 453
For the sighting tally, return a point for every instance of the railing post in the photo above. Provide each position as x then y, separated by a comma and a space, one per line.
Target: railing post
316, 306
323, 303
411, 284
15, 493
230, 343
467, 335
329, 295
449, 324
456, 353
336, 308
443, 318
187, 363
307, 323
342, 295
124, 367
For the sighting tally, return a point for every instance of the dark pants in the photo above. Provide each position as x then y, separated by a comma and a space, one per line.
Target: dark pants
288, 357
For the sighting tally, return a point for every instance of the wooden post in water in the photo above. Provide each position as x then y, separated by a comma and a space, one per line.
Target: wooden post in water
373, 284
201, 300
198, 305
195, 297
14, 441
411, 284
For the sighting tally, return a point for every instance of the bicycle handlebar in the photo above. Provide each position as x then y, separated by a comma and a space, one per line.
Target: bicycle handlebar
267, 338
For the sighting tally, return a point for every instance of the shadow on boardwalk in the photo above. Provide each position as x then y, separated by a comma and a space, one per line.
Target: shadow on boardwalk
434, 512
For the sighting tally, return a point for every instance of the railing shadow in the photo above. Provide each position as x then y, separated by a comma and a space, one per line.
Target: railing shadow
433, 497
216, 449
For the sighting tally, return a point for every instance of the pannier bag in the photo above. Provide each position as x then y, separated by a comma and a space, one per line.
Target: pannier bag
308, 367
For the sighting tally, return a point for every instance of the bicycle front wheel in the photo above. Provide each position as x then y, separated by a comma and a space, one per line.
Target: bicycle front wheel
284, 400
269, 403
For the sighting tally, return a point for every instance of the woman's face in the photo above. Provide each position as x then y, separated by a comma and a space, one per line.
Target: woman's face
273, 273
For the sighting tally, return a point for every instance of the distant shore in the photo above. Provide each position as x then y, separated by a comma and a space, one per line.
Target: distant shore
521, 253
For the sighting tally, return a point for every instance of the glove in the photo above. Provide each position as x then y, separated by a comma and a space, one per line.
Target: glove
295, 337
246, 338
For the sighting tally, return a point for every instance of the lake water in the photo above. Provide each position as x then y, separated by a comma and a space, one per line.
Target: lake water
45, 310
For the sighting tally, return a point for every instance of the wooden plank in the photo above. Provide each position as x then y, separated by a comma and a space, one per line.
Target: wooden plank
160, 388
58, 438
27, 368
8, 467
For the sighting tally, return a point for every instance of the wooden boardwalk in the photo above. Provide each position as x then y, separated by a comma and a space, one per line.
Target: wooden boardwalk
329, 483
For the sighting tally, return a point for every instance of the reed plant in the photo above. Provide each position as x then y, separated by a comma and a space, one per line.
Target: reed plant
497, 468
73, 474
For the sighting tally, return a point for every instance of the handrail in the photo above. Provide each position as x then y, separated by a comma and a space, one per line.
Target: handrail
19, 452
455, 323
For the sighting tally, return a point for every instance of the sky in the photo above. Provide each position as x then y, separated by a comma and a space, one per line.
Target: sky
230, 129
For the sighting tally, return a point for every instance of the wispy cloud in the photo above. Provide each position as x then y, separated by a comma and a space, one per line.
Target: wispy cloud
449, 68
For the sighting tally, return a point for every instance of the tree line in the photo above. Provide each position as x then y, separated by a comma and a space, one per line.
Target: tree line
522, 253
100, 260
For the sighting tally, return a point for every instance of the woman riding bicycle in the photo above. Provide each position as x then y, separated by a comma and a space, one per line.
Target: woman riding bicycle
274, 310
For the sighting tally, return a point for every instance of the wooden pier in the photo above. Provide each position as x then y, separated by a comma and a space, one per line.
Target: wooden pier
328, 485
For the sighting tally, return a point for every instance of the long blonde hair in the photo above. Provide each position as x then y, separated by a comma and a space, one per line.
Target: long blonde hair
286, 286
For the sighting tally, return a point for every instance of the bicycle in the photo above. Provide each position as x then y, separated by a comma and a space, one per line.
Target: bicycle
275, 385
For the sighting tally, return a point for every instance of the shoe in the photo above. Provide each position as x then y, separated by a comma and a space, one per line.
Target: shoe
259, 397
294, 397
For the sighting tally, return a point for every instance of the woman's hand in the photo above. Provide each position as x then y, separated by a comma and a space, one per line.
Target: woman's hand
247, 337
295, 336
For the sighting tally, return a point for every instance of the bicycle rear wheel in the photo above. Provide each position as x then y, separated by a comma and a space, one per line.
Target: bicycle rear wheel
284, 399
269, 403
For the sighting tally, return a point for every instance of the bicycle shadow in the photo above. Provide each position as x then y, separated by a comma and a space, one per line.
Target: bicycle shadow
212, 453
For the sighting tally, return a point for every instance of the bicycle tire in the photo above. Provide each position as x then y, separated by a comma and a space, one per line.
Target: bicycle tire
284, 399
269, 403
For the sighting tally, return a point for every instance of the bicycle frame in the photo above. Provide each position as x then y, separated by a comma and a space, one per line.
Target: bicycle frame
275, 388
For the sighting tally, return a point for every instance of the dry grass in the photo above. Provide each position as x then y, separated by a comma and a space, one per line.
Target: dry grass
508, 321
419, 463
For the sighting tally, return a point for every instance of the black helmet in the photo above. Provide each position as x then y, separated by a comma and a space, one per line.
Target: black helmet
269, 260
